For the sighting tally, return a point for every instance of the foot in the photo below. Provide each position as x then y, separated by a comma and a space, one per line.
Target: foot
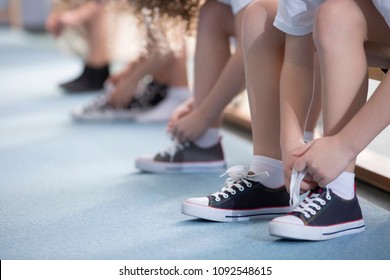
100, 109
187, 157
242, 198
322, 215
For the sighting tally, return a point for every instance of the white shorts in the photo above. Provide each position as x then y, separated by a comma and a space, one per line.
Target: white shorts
383, 6
236, 5
296, 17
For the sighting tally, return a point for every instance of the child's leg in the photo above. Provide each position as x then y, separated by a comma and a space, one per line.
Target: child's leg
343, 72
339, 39
219, 75
255, 193
344, 68
97, 39
264, 47
96, 64
264, 52
212, 51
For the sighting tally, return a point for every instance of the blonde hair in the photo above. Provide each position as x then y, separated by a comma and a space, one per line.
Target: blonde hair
166, 22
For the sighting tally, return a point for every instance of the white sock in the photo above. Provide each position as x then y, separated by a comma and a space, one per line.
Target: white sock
209, 138
308, 136
344, 185
273, 167
163, 111
181, 93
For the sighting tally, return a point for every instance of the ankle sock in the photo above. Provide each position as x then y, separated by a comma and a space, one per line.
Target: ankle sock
274, 168
209, 138
182, 93
344, 185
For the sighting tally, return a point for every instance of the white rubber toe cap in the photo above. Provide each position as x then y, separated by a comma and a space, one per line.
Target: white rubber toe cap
198, 200
289, 219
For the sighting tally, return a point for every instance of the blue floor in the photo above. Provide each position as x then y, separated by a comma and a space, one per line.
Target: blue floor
70, 190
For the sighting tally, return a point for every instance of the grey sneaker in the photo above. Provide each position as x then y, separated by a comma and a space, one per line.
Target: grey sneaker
186, 157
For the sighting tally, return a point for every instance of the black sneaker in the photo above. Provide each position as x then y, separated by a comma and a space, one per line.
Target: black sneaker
322, 215
186, 157
242, 198
91, 79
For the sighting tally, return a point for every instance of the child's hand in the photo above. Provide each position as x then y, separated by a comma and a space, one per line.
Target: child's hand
190, 127
325, 159
121, 94
289, 159
181, 111
54, 25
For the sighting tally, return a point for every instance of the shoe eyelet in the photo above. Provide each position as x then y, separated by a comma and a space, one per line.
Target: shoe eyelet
233, 192
313, 212
249, 185
217, 199
328, 197
225, 196
322, 202
307, 216
318, 207
241, 189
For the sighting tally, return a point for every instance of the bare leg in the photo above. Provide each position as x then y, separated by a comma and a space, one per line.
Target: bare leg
264, 46
97, 39
216, 25
218, 82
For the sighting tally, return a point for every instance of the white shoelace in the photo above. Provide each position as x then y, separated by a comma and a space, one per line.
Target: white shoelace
237, 174
307, 206
174, 148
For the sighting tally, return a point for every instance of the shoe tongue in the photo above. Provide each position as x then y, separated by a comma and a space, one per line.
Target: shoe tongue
316, 190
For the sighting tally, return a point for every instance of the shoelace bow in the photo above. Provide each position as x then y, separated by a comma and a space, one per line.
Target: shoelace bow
237, 174
307, 206
174, 148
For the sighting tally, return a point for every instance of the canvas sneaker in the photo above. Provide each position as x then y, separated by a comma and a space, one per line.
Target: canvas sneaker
242, 198
321, 215
184, 157
99, 109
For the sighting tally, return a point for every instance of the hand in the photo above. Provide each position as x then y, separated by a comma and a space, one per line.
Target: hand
54, 25
70, 19
289, 159
121, 94
325, 159
190, 127
184, 109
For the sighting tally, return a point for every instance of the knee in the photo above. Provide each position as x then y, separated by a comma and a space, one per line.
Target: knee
333, 23
258, 21
211, 14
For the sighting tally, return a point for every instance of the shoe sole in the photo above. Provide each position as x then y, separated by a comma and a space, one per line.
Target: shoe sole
228, 215
190, 167
314, 233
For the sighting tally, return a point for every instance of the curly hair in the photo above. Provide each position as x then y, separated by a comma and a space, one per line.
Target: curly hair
165, 21
184, 11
